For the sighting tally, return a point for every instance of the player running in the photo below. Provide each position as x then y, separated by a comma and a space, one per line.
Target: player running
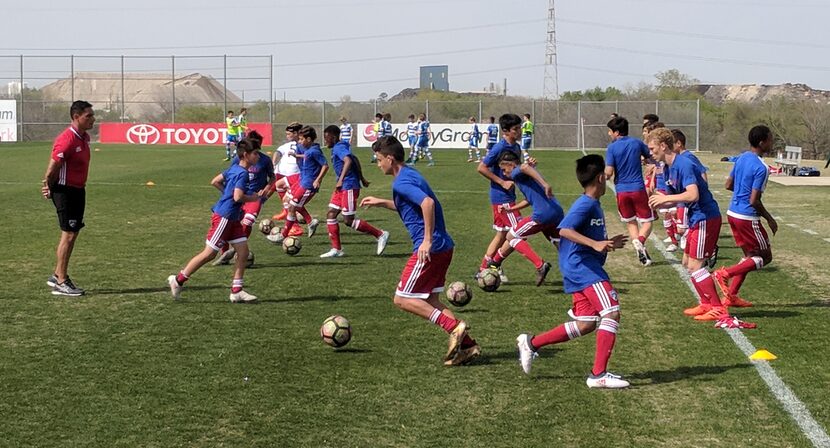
287, 173
423, 278
242, 119
582, 253
232, 137
475, 135
411, 137
422, 146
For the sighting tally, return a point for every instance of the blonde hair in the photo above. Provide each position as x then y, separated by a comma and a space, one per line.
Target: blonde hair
662, 135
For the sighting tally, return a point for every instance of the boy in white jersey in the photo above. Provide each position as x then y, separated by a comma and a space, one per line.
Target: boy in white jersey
345, 130
287, 172
412, 137
475, 136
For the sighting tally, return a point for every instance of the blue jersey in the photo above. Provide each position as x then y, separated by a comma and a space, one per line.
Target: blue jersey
624, 155
661, 172
235, 177
423, 136
749, 173
492, 133
339, 153
475, 135
545, 210
581, 266
346, 132
685, 171
257, 174
499, 195
409, 189
313, 161
385, 129
411, 129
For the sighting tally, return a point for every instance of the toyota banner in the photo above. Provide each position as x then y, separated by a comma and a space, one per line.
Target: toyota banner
173, 133
442, 135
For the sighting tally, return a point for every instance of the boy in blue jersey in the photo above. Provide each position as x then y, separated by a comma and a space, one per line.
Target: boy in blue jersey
422, 146
345, 194
624, 163
226, 225
680, 217
423, 278
313, 168
492, 135
345, 130
412, 137
475, 136
747, 181
547, 214
582, 252
686, 184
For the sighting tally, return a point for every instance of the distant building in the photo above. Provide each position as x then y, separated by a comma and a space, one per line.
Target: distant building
13, 88
435, 77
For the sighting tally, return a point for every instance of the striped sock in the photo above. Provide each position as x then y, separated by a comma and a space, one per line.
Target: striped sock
606, 337
236, 286
562, 333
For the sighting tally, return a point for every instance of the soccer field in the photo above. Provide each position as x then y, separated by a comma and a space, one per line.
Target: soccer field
125, 365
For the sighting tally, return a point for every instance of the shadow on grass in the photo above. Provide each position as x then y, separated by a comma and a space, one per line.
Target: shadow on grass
116, 291
352, 350
680, 373
818, 303
313, 298
781, 314
470, 310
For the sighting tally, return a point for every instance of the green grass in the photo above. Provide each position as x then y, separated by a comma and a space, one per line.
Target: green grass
127, 366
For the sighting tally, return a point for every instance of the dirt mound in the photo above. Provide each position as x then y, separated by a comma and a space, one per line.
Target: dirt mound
758, 93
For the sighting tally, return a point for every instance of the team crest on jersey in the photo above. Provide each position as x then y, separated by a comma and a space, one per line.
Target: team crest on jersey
596, 222
251, 176
613, 294
73, 223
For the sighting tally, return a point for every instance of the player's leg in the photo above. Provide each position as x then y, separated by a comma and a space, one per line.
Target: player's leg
70, 205
350, 219
752, 238
703, 237
517, 239
604, 300
428, 153
333, 226
215, 240
645, 218
238, 294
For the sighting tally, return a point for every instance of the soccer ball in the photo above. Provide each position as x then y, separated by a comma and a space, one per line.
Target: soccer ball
291, 245
459, 293
265, 226
336, 331
489, 280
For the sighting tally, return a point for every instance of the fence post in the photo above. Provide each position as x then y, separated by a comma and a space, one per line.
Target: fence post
578, 124
22, 102
697, 127
225, 84
375, 108
533, 114
122, 88
479, 111
72, 68
656, 107
426, 109
271, 90
323, 123
173, 73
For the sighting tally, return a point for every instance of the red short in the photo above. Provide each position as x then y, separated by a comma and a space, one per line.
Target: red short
634, 205
420, 280
504, 220
595, 301
680, 217
749, 234
527, 226
223, 231
300, 196
345, 201
702, 238
292, 180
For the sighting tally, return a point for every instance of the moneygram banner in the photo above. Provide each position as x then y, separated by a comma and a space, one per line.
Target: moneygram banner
173, 134
442, 135
8, 120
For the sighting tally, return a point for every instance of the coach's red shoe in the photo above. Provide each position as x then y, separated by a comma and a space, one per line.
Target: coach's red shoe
697, 310
716, 313
736, 301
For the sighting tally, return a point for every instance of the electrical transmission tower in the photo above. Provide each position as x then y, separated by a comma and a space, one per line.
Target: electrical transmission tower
551, 82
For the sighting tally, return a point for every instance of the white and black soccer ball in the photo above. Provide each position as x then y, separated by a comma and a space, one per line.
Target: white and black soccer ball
265, 226
336, 331
459, 293
489, 280
291, 245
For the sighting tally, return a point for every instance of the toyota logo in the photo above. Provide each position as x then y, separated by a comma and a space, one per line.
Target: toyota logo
143, 134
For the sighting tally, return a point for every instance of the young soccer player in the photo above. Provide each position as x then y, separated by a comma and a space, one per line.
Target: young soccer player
312, 170
423, 278
475, 135
242, 119
226, 225
423, 139
547, 214
232, 136
655, 179
527, 135
502, 191
345, 130
412, 137
287, 173
377, 126
686, 184
492, 135
582, 253
623, 162
747, 181
680, 218
345, 194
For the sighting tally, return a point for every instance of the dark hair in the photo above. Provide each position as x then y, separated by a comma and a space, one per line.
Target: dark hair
309, 132
492, 119
333, 130
758, 134
230, 112
256, 138
387, 116
679, 136
651, 118
508, 121
379, 115
527, 116
472, 118
652, 126
588, 168
619, 125
508, 156
389, 146
78, 108
614, 115
294, 127
245, 146
411, 116
244, 109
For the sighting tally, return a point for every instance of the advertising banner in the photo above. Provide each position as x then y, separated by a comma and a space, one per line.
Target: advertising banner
173, 133
442, 135
8, 120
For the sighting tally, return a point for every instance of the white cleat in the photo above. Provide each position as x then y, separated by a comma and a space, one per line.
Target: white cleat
383, 239
175, 287
243, 297
667, 240
526, 354
502, 275
275, 238
606, 381
642, 254
333, 253
671, 248
224, 257
312, 227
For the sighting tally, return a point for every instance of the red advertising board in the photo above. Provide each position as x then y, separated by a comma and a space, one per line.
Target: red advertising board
173, 133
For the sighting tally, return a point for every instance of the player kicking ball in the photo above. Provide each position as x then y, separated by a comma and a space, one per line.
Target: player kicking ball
582, 252
423, 278
226, 225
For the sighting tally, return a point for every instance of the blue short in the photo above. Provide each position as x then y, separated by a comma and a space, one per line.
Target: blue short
231, 138
526, 141
422, 143
474, 143
412, 140
490, 145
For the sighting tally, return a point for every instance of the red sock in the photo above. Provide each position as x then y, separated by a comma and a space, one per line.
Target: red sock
642, 239
562, 333
524, 248
282, 194
746, 265
181, 278
671, 230
305, 214
334, 233
499, 257
606, 337
443, 321
705, 287
236, 286
364, 227
290, 221
735, 284
485, 262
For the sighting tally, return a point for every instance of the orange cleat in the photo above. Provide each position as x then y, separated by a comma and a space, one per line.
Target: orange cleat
722, 278
716, 313
296, 231
698, 310
281, 215
736, 302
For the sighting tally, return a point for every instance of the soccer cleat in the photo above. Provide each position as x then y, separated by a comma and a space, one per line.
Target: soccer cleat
606, 380
526, 354
502, 275
275, 238
67, 288
642, 255
471, 160
716, 313
224, 257
296, 231
667, 240
226, 159
312, 227
713, 260
456, 336
243, 297
671, 248
736, 302
542, 272
281, 216
697, 310
722, 279
383, 239
52, 281
431, 163
464, 356
333, 253
175, 287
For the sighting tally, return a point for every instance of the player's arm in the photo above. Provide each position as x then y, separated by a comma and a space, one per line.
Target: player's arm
371, 201
323, 170
522, 204
240, 196
50, 177
219, 183
755, 202
616, 242
730, 184
347, 165
537, 176
428, 211
275, 159
691, 194
485, 171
